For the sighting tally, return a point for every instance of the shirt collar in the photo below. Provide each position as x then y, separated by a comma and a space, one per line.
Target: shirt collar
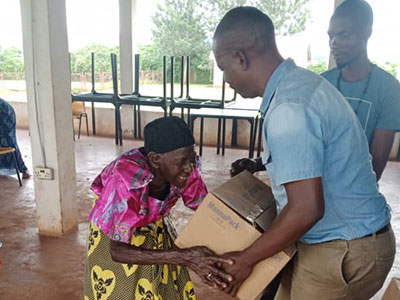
283, 68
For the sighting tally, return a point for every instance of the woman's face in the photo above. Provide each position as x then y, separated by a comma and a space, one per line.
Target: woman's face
176, 166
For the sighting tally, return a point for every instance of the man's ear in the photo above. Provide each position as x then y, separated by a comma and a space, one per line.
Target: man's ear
366, 33
241, 59
154, 159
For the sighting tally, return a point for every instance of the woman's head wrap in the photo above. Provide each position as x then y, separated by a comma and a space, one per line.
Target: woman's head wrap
167, 134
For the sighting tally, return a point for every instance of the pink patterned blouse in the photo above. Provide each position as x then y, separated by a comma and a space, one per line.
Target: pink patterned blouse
123, 196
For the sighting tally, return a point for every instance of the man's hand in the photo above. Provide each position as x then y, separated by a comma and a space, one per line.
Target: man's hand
251, 165
240, 271
304, 208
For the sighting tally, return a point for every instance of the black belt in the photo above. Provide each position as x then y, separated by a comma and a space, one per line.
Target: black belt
382, 230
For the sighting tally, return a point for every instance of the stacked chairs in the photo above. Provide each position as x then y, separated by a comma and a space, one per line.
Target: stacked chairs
137, 100
211, 108
203, 108
118, 100
189, 102
94, 96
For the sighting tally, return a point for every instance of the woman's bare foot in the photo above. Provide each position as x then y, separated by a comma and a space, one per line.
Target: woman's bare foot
26, 175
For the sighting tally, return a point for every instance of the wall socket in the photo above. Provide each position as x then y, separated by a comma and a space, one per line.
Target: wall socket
44, 173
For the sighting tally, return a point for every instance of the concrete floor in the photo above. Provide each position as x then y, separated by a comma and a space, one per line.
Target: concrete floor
40, 268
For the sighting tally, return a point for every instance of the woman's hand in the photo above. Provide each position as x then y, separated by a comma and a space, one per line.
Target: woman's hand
240, 271
205, 263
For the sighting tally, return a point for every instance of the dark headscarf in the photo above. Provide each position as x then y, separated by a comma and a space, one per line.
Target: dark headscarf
167, 134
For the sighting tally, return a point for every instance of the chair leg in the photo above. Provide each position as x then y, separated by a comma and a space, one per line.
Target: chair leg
134, 122
219, 136
16, 168
188, 115
223, 135
119, 127
191, 124
73, 130
252, 138
79, 129
93, 119
116, 125
87, 125
139, 123
201, 135
234, 132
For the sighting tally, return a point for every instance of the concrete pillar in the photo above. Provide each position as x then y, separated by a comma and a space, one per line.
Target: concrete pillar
332, 62
48, 82
127, 43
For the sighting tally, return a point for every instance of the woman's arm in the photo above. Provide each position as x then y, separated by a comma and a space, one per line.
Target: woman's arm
201, 260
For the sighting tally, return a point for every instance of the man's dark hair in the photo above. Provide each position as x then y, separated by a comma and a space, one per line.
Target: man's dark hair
359, 11
247, 27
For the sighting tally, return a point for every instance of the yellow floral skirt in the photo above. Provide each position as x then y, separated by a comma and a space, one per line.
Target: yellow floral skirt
106, 279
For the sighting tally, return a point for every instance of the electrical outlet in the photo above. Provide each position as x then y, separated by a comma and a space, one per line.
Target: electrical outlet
44, 173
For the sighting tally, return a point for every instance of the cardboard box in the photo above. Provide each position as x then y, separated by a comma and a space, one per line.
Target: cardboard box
231, 218
393, 290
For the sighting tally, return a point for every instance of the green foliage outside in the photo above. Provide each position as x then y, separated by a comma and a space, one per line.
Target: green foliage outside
185, 28
216, 9
318, 68
289, 16
11, 60
81, 59
150, 59
389, 67
180, 30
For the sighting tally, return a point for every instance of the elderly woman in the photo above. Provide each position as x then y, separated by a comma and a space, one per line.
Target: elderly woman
131, 252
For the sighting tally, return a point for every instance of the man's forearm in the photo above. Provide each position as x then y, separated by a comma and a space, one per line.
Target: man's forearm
378, 166
304, 208
288, 227
381, 146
